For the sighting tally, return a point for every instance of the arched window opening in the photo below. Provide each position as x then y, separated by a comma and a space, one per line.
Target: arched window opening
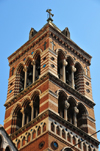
44, 127
89, 148
58, 130
70, 110
74, 140
27, 112
63, 134
79, 143
17, 118
68, 137
7, 148
23, 141
30, 74
39, 131
61, 104
18, 145
68, 71
81, 116
28, 137
36, 105
0, 141
78, 77
52, 127
84, 147
37, 72
21, 76
60, 64
34, 134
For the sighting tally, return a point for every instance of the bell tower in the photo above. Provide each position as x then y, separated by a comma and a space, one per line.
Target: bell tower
49, 102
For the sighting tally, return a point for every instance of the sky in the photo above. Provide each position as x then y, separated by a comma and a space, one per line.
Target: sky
82, 17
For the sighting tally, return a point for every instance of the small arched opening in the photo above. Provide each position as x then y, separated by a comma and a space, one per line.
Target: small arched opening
7, 148
82, 117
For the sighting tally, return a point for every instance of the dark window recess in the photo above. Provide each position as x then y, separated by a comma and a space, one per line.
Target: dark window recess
41, 145
87, 83
52, 58
44, 58
54, 145
52, 66
11, 84
87, 90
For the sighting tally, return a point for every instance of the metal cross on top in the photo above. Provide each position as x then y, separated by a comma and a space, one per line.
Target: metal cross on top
50, 14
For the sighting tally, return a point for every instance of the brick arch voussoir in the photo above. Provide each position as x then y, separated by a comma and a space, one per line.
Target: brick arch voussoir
22, 63
80, 103
36, 53
72, 98
71, 58
62, 51
80, 66
34, 93
28, 59
18, 105
61, 91
25, 101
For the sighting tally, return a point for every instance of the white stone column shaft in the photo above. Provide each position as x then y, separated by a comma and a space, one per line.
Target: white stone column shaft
34, 66
75, 115
72, 76
25, 79
64, 70
65, 110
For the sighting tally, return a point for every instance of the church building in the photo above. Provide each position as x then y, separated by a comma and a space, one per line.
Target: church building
49, 104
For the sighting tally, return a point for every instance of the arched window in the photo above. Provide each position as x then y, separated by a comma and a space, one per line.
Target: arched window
82, 117
17, 118
29, 74
70, 110
39, 130
68, 137
37, 71
36, 103
78, 78
34, 134
52, 127
27, 108
58, 130
44, 127
21, 76
60, 64
74, 140
28, 137
7, 148
18, 145
61, 103
68, 70
63, 133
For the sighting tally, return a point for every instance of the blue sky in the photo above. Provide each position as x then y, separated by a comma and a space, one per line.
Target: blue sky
82, 17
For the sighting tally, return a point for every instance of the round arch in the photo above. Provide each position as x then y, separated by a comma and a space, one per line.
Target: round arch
70, 59
28, 60
19, 67
79, 67
60, 51
34, 93
16, 108
83, 106
61, 91
73, 99
36, 53
25, 101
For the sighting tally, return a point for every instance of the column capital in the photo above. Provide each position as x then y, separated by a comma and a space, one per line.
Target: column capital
31, 103
33, 62
65, 63
25, 69
66, 104
76, 110
73, 68
22, 110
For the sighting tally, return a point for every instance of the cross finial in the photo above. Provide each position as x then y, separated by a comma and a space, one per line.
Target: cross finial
50, 14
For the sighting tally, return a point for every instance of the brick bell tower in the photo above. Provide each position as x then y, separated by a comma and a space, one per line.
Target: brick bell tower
49, 102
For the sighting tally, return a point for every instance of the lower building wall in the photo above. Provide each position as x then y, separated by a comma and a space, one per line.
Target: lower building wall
36, 144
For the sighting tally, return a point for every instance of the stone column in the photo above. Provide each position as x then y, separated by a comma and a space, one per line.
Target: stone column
76, 111
23, 116
81, 145
65, 110
72, 76
86, 147
33, 63
32, 110
64, 71
60, 131
25, 79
